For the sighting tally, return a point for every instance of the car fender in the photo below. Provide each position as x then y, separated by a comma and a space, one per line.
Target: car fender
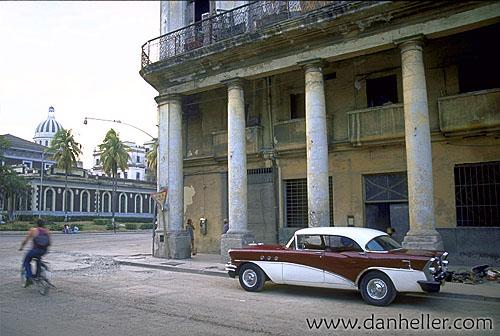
273, 269
404, 280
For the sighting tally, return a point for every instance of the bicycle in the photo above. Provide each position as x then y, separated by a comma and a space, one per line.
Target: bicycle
41, 278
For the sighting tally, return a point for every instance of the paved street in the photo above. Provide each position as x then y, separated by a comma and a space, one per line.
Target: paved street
95, 296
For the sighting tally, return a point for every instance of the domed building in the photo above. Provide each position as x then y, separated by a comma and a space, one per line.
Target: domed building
46, 129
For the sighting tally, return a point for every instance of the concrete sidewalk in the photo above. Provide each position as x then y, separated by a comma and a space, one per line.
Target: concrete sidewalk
211, 264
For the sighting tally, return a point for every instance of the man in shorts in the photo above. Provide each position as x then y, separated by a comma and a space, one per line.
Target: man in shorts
41, 241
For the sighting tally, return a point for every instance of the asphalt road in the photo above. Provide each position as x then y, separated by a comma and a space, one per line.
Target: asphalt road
94, 296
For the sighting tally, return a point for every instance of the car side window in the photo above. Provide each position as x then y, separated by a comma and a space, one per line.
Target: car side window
341, 244
310, 242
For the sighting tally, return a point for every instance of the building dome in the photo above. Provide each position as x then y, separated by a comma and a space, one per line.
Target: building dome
46, 129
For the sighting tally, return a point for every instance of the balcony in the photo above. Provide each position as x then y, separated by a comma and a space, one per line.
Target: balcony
291, 134
238, 21
376, 124
253, 137
470, 112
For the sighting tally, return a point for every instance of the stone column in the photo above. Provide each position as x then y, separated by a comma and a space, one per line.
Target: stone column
238, 234
422, 233
171, 241
317, 146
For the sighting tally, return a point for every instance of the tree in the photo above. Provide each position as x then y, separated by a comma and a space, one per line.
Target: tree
151, 157
10, 182
66, 152
114, 156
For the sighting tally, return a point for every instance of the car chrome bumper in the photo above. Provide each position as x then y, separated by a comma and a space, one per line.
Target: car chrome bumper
430, 286
231, 270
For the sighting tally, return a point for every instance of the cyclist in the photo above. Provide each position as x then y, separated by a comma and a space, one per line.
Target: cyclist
41, 241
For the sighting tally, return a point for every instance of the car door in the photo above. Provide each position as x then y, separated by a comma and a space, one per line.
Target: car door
303, 264
343, 260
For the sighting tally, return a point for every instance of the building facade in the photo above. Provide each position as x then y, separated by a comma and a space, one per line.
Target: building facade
89, 196
137, 167
285, 114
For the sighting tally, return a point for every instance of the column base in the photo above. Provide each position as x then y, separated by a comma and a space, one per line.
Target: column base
424, 240
234, 240
178, 245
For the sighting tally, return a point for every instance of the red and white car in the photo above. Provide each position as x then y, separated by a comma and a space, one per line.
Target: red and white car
341, 257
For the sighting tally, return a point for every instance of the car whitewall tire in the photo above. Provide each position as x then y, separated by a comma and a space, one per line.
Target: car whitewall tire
377, 289
251, 277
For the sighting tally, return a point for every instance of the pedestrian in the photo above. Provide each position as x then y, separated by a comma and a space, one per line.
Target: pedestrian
225, 227
190, 230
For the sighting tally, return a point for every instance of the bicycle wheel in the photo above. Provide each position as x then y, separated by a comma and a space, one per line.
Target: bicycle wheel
43, 286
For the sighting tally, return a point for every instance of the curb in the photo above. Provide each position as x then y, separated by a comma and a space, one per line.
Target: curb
223, 274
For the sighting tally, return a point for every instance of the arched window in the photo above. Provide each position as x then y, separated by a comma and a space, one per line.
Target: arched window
123, 203
138, 204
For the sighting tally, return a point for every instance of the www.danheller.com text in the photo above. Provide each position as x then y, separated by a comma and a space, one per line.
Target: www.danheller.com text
400, 322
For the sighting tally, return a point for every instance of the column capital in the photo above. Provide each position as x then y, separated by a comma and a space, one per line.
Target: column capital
410, 42
315, 64
167, 98
234, 82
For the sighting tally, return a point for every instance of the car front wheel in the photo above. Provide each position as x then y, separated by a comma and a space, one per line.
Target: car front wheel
377, 289
251, 277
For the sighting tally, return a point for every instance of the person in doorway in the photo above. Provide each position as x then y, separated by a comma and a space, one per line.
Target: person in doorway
190, 230
225, 227
41, 241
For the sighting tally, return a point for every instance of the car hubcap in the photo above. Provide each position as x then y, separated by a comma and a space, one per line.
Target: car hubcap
249, 278
376, 289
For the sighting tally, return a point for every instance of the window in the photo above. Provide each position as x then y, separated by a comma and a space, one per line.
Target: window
477, 194
382, 243
341, 244
297, 106
310, 242
138, 159
125, 175
137, 176
381, 91
97, 162
28, 164
46, 142
479, 75
296, 202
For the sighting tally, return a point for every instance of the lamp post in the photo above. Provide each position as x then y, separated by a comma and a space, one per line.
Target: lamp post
42, 169
85, 122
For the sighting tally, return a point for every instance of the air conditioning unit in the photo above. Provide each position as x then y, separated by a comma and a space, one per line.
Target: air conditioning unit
205, 16
220, 11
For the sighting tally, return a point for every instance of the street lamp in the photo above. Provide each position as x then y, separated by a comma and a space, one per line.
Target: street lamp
85, 122
42, 169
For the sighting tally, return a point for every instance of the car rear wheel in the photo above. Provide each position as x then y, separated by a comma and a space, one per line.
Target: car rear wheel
377, 289
251, 277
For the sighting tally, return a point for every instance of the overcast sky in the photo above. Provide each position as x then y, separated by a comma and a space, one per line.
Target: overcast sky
83, 58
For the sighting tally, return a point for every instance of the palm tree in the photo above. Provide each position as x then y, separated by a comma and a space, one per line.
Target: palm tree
114, 156
66, 152
151, 158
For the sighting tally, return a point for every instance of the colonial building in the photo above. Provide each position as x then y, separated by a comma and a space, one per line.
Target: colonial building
137, 167
285, 114
46, 130
89, 196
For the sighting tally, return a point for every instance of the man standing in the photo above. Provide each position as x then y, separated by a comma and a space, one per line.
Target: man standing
225, 227
41, 241
190, 230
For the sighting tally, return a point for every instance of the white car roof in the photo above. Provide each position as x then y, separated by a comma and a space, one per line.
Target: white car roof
360, 235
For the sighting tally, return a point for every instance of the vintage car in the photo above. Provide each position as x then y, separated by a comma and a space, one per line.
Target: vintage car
341, 257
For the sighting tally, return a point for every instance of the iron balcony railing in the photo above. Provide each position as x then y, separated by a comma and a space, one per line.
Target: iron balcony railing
240, 20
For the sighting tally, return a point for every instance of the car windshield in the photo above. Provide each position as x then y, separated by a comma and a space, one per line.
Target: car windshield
382, 243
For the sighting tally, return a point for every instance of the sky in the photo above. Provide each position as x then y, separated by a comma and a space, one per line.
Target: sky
82, 58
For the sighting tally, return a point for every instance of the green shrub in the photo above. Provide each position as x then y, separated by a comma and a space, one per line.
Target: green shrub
102, 221
20, 227
109, 226
55, 227
146, 226
131, 226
